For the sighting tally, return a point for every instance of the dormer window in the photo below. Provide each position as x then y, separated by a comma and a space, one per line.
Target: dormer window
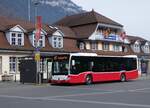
146, 49
16, 38
41, 41
57, 42
81, 46
15, 35
136, 48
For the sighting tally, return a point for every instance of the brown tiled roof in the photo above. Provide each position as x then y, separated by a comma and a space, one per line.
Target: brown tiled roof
6, 23
70, 35
67, 31
69, 45
48, 29
133, 39
84, 31
86, 18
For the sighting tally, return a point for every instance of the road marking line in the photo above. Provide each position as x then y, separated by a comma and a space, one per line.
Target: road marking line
100, 102
61, 96
80, 94
97, 93
85, 88
19, 97
86, 94
79, 101
138, 89
142, 91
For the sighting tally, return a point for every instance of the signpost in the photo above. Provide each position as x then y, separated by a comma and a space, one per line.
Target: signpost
37, 53
37, 56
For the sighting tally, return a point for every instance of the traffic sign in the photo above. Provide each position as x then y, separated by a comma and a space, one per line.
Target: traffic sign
37, 56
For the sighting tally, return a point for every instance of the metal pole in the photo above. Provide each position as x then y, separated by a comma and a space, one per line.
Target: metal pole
29, 10
38, 75
16, 67
36, 44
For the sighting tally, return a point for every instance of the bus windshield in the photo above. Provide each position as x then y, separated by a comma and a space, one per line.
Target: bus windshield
60, 66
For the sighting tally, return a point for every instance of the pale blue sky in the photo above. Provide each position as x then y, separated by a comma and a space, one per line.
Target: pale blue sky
133, 14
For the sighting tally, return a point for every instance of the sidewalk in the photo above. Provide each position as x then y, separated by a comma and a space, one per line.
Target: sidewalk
144, 76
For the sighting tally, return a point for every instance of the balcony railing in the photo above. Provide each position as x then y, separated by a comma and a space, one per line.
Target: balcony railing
110, 37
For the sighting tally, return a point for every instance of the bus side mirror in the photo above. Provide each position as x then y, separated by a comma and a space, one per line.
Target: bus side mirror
73, 62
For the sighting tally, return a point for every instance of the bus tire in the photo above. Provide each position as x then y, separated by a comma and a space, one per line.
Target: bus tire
88, 80
122, 77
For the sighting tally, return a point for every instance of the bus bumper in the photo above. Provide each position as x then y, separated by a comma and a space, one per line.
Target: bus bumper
59, 81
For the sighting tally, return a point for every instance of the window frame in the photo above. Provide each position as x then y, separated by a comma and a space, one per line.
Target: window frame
137, 48
82, 45
57, 41
94, 45
41, 41
12, 64
15, 39
116, 47
146, 48
106, 46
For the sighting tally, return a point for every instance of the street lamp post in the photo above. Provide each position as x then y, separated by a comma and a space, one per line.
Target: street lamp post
37, 51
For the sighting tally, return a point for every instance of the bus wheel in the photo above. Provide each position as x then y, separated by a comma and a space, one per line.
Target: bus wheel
88, 80
122, 78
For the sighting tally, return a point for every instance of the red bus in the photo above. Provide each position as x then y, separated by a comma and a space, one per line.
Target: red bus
89, 68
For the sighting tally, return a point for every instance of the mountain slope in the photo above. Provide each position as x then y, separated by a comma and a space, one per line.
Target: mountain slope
50, 10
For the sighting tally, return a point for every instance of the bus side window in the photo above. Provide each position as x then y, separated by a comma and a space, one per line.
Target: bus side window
94, 68
123, 67
91, 66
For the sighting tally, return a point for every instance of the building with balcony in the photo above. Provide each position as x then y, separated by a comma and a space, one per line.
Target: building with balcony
99, 34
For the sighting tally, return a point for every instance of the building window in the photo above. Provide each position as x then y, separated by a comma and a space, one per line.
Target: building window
94, 46
17, 39
116, 47
42, 66
13, 39
146, 49
12, 64
82, 46
41, 41
57, 42
105, 46
20, 39
136, 48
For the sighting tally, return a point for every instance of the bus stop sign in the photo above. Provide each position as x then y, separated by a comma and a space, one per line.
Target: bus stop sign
37, 56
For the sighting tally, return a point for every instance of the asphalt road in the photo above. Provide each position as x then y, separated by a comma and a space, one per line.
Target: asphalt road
132, 94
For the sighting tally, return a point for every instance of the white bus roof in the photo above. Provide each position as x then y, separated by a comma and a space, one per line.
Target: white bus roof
134, 56
83, 54
95, 55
